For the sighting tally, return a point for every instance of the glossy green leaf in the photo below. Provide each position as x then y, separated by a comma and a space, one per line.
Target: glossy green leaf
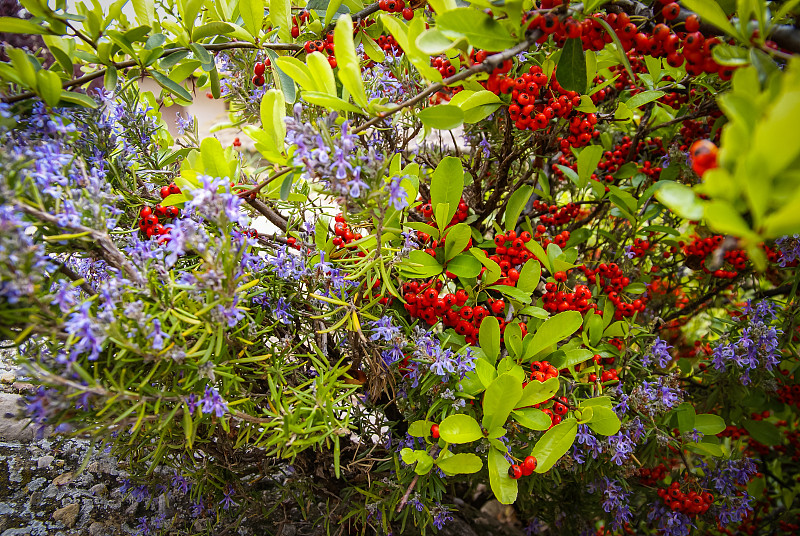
273, 112
489, 338
480, 29
516, 203
529, 276
447, 185
500, 398
49, 86
460, 428
686, 417
552, 331
571, 71
14, 25
554, 444
587, 163
441, 117
709, 424
172, 87
464, 265
434, 42
505, 489
252, 12
571, 358
280, 14
347, 60
460, 464
211, 29
532, 418
536, 392
680, 199
420, 428
456, 239
322, 73
643, 98
604, 421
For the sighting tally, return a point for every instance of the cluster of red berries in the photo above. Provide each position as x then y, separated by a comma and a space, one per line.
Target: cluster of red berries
259, 68
396, 6
461, 213
560, 239
699, 249
301, 18
526, 468
558, 301
344, 234
150, 218
554, 215
389, 45
650, 476
692, 504
323, 46
510, 253
613, 282
609, 375
789, 394
558, 408
612, 160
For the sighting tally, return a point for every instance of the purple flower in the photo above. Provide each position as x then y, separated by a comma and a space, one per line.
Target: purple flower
658, 352
157, 335
227, 500
441, 515
282, 311
383, 329
213, 403
86, 335
398, 197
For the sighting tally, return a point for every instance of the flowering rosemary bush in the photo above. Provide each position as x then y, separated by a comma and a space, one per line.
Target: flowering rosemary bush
535, 252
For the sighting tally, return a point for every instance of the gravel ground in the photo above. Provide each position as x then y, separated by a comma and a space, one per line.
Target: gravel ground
44, 492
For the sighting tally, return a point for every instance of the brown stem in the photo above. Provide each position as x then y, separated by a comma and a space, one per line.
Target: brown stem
404, 500
275, 218
253, 191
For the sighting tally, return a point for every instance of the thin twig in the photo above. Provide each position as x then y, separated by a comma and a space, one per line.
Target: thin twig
404, 500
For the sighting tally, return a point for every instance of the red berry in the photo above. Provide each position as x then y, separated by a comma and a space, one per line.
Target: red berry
515, 472
258, 69
671, 11
529, 465
435, 431
164, 191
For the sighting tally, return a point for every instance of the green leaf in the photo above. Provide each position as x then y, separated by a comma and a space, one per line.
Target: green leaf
459, 429
21, 26
78, 98
532, 418
504, 487
587, 163
723, 218
420, 428
709, 424
554, 444
481, 30
172, 87
428, 266
516, 203
447, 185
252, 12
686, 417
372, 49
347, 61
529, 276
273, 112
322, 73
643, 98
604, 421
513, 292
460, 464
489, 338
710, 11
764, 432
680, 199
500, 398
420, 457
456, 240
571, 71
485, 371
434, 42
49, 86
552, 331
280, 14
215, 163
571, 357
144, 10
211, 29
441, 117
464, 266
536, 392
